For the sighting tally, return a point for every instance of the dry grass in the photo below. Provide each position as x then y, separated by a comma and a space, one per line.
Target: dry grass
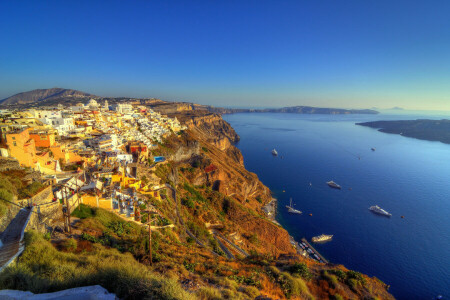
42, 268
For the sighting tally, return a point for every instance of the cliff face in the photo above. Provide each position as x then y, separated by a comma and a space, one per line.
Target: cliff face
232, 201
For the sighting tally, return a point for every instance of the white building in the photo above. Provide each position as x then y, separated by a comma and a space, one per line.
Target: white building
124, 108
78, 108
63, 125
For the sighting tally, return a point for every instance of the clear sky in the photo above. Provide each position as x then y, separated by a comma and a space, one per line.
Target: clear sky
360, 54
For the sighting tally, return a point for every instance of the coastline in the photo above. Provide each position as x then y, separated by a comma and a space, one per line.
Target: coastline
305, 248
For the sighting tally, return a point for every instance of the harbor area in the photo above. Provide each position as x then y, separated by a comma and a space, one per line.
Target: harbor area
304, 248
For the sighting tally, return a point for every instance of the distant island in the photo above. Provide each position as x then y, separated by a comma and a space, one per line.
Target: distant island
293, 109
430, 130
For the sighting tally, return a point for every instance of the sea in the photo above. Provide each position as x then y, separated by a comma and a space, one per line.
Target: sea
405, 176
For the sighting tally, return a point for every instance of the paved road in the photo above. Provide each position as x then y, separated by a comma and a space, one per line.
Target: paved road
12, 237
230, 243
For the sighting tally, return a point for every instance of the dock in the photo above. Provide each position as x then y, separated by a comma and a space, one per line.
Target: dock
314, 250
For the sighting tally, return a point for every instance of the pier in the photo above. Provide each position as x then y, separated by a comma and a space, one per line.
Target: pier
314, 250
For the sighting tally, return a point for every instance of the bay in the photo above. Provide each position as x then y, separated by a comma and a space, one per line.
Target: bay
405, 176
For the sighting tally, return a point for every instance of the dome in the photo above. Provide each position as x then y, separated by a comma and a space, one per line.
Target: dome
92, 102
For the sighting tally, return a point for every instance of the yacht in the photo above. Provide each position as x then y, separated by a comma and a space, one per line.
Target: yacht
378, 210
274, 152
322, 238
333, 185
291, 208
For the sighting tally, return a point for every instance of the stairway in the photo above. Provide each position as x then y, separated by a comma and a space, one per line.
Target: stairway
11, 238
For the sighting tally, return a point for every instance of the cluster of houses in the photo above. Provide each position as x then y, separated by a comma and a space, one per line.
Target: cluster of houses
91, 151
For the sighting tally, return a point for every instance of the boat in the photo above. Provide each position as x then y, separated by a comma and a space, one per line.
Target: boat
274, 152
333, 185
373, 149
291, 209
322, 238
378, 210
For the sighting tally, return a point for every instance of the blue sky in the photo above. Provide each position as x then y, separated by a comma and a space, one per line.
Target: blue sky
357, 54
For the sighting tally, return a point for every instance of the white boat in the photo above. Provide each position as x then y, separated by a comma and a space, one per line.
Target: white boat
334, 185
322, 238
378, 210
291, 208
274, 152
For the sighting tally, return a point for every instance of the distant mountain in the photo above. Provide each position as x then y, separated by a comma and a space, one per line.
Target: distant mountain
430, 130
295, 110
49, 96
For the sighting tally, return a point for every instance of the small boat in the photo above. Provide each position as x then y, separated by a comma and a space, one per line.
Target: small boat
274, 152
322, 238
378, 210
333, 185
373, 149
291, 208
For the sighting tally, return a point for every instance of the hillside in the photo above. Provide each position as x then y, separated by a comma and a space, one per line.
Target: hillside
221, 244
48, 96
430, 130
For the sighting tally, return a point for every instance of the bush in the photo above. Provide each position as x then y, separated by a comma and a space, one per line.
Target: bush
331, 279
70, 244
300, 269
208, 293
197, 196
47, 236
251, 291
187, 202
30, 190
83, 211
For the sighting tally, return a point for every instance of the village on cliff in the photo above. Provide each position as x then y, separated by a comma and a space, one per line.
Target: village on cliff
88, 153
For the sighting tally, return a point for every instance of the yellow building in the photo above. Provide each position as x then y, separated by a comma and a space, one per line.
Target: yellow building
22, 147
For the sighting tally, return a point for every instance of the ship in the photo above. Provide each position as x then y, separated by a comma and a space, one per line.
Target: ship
333, 185
373, 149
274, 152
322, 238
291, 208
378, 210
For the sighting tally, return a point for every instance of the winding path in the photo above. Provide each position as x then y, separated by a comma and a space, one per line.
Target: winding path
12, 238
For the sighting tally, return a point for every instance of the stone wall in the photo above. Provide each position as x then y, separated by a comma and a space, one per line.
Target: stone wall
9, 164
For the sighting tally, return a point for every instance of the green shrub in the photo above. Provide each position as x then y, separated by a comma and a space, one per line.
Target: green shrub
331, 279
47, 236
208, 293
339, 274
300, 269
196, 195
70, 244
187, 202
83, 211
30, 190
337, 297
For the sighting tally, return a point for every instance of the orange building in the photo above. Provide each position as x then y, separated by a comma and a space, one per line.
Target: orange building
22, 147
44, 139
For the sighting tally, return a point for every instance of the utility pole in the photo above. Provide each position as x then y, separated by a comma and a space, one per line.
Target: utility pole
150, 240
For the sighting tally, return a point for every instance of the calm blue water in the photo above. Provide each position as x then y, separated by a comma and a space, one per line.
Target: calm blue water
405, 176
